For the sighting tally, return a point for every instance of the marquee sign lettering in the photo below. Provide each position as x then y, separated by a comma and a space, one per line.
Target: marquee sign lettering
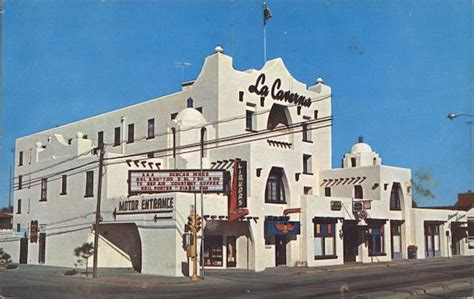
277, 94
161, 181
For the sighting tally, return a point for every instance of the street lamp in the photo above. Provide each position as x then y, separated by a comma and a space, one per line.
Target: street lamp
452, 116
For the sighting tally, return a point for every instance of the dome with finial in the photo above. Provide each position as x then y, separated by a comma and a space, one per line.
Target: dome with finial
361, 147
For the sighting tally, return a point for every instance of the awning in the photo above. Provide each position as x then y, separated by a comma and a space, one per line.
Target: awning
277, 227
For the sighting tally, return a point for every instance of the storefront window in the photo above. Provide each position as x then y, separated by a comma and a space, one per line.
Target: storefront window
213, 251
324, 240
396, 240
432, 240
375, 236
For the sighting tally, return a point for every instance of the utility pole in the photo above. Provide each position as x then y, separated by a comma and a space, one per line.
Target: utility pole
97, 210
203, 131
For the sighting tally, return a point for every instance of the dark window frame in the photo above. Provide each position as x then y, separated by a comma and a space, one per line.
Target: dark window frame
20, 182
44, 189
306, 134
375, 235
358, 192
131, 133
249, 120
63, 184
20, 158
275, 187
18, 207
323, 234
307, 164
150, 134
395, 200
327, 191
117, 136
100, 138
89, 192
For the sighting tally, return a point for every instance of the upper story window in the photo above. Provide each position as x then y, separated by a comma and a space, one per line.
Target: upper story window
20, 158
358, 192
327, 191
249, 120
18, 207
117, 136
275, 190
189, 103
89, 184
353, 162
307, 164
278, 115
44, 189
131, 133
395, 203
100, 139
151, 128
63, 185
20, 182
306, 133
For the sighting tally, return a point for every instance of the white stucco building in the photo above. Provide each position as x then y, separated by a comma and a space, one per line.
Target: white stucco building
269, 136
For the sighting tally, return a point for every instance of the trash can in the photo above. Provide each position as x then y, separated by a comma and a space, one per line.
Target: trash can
412, 252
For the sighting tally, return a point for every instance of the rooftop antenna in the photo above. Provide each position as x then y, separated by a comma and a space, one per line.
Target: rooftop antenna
182, 65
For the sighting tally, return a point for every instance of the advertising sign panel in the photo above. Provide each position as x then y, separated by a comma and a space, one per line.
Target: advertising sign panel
186, 180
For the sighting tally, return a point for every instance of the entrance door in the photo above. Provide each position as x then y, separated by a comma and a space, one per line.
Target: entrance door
42, 248
280, 248
23, 250
231, 252
349, 229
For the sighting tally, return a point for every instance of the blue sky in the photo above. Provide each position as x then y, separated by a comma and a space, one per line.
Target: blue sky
397, 68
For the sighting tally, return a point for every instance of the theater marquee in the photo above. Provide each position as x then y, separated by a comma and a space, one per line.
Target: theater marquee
160, 181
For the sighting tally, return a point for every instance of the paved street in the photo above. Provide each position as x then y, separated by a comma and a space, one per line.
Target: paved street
436, 278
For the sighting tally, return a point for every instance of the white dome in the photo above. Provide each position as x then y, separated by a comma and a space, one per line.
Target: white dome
190, 117
361, 148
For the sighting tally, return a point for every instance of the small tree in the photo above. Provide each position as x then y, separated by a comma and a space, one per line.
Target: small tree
422, 183
85, 252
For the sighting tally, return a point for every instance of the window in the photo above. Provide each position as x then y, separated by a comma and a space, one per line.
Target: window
20, 182
189, 103
470, 232
396, 240
298, 110
44, 189
316, 114
353, 162
432, 239
100, 139
306, 133
327, 191
84, 137
151, 129
376, 246
173, 115
89, 184
117, 136
308, 190
151, 155
131, 133
249, 120
241, 96
63, 185
395, 197
358, 192
307, 169
18, 207
324, 240
275, 191
213, 254
20, 158
18, 227
278, 116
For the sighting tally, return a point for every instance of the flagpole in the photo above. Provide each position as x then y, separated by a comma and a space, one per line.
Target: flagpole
264, 44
